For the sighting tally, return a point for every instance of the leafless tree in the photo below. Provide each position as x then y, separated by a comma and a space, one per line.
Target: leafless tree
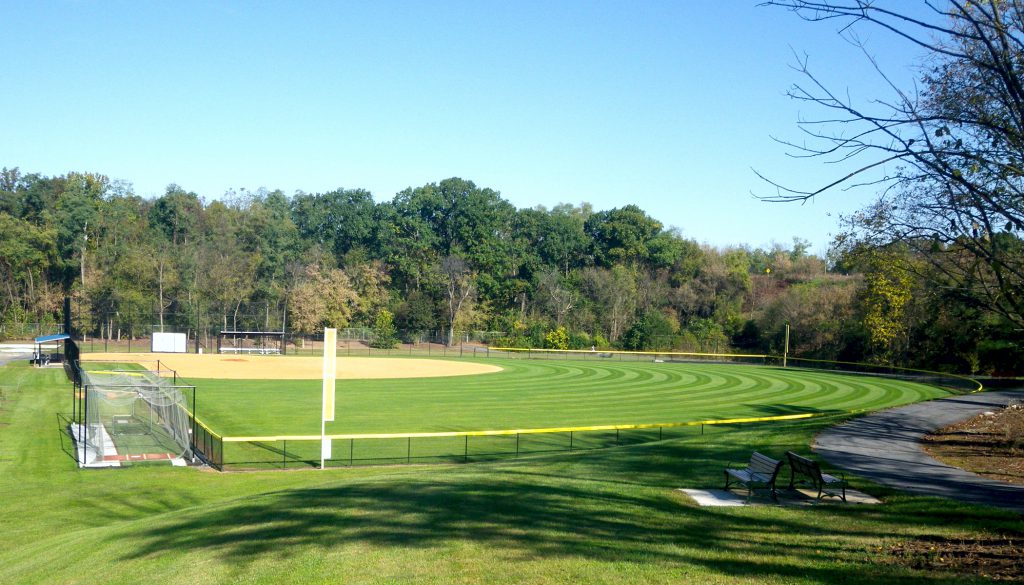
459, 282
956, 142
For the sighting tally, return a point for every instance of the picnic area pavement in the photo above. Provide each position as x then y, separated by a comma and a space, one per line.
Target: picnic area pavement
885, 447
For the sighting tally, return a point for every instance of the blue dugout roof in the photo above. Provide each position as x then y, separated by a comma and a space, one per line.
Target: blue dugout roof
58, 337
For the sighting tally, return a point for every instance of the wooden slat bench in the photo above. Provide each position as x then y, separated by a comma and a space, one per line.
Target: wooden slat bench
760, 472
808, 471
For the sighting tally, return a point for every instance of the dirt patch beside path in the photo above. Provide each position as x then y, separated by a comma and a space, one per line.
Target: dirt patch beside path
268, 367
990, 444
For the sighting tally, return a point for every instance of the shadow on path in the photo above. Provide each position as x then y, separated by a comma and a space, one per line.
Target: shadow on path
885, 447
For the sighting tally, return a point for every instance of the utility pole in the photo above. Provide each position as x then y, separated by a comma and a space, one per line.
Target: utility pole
785, 351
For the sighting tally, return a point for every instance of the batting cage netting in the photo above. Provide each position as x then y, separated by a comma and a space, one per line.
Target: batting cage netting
132, 416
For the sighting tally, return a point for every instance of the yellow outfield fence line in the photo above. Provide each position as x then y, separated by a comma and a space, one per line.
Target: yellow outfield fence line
625, 352
506, 432
117, 373
978, 386
205, 427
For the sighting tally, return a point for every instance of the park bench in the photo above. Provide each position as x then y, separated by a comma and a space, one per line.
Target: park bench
808, 471
760, 472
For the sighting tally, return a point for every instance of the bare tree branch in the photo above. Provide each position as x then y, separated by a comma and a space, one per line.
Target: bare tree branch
957, 193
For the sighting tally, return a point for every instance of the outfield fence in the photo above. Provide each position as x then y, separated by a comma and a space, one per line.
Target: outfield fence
303, 451
953, 382
206, 444
949, 381
621, 355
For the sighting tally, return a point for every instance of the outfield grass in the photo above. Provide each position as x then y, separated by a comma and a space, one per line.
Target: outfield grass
527, 394
604, 516
542, 394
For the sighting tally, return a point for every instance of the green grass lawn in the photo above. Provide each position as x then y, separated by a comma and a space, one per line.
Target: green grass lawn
542, 394
598, 516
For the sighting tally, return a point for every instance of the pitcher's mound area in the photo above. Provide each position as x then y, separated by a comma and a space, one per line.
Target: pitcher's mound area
264, 367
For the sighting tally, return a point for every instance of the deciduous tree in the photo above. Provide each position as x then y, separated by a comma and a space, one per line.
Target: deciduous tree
459, 282
323, 298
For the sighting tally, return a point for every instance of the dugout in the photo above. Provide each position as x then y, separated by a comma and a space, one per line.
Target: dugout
39, 356
251, 342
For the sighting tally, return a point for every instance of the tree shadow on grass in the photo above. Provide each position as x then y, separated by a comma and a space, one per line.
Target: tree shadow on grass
530, 511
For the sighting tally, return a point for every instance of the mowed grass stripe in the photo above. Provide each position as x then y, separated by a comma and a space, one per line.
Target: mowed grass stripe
543, 394
868, 392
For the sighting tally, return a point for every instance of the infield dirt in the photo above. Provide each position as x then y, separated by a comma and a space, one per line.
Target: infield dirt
264, 367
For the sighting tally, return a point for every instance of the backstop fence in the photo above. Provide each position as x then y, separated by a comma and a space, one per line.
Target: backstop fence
351, 341
28, 330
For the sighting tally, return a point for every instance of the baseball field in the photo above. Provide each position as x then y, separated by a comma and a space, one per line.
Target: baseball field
388, 409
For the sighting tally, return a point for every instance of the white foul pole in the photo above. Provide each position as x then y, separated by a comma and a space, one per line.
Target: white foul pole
330, 367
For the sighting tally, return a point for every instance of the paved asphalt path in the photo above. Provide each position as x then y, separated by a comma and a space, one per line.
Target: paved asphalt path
885, 447
10, 357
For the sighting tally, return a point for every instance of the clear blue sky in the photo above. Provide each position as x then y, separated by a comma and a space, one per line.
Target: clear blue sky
668, 105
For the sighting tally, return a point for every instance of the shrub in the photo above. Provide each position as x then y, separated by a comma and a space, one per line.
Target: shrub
557, 339
384, 336
580, 341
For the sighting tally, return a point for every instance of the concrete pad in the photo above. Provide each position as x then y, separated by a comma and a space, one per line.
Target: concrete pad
787, 498
715, 497
809, 497
855, 497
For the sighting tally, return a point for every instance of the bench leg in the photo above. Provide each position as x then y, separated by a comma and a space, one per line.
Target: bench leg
822, 492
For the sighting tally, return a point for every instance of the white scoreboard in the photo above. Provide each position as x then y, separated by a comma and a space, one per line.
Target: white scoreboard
169, 343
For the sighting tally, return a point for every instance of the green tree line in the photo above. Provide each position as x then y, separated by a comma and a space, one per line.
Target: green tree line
451, 256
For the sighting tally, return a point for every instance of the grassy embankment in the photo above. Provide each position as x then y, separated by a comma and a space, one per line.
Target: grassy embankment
603, 516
